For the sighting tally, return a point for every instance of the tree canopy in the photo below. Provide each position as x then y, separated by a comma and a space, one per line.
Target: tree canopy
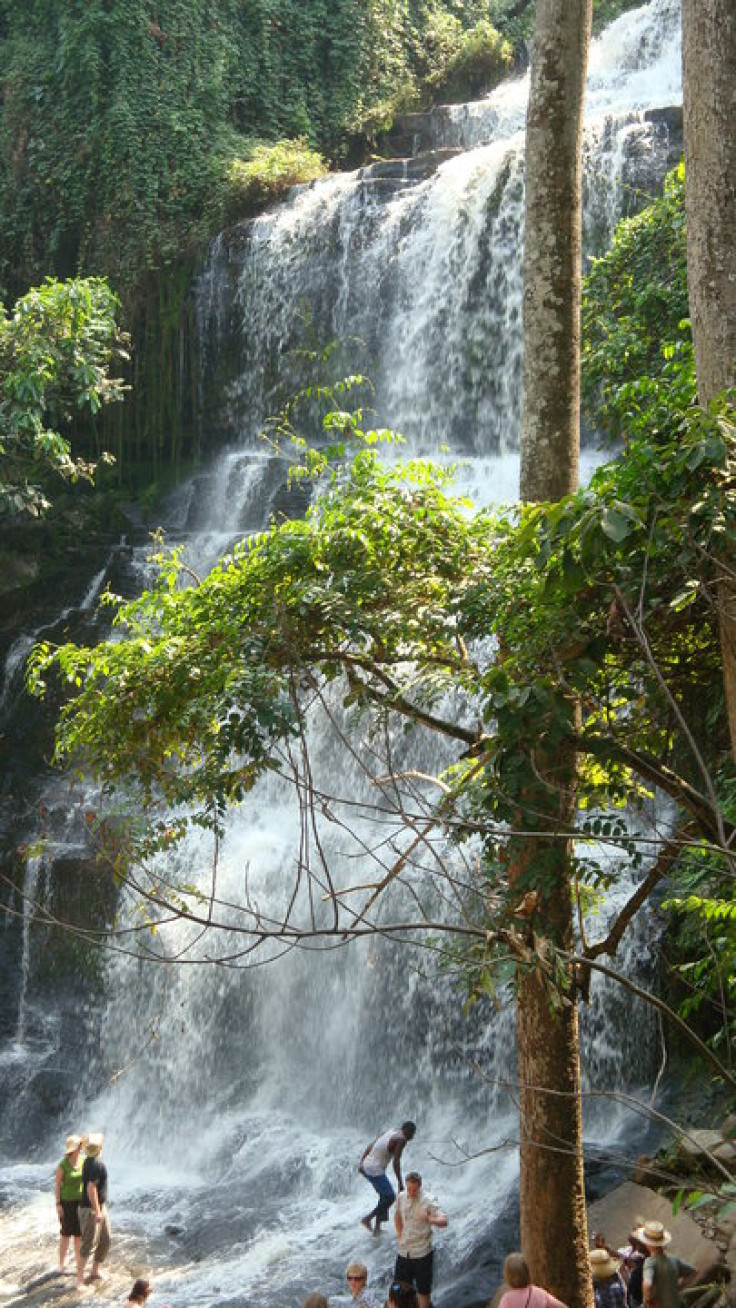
393, 586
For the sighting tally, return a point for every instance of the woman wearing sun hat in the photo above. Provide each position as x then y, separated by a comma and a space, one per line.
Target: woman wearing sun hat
68, 1191
663, 1273
608, 1287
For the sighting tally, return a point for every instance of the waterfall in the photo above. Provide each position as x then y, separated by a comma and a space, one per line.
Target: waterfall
415, 268
237, 1098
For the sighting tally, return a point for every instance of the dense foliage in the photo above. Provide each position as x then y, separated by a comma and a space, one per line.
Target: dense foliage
57, 347
639, 383
392, 588
637, 346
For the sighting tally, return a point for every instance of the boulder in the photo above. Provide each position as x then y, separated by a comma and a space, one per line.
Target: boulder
725, 1152
699, 1142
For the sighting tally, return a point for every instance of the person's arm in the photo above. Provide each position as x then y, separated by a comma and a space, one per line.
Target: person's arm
436, 1217
686, 1274
93, 1196
57, 1188
396, 1147
647, 1283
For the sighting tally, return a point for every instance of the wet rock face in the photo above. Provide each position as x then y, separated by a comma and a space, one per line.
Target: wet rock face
50, 979
666, 150
703, 1148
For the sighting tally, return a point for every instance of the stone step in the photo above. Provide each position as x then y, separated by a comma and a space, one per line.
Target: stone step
412, 169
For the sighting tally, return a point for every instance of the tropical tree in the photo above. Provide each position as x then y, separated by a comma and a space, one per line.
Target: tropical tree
56, 350
553, 1213
391, 603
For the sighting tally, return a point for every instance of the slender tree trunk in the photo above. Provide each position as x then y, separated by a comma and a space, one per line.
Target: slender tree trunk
553, 1216
550, 438
553, 1213
709, 96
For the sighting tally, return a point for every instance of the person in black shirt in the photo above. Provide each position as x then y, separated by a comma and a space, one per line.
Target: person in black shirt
93, 1215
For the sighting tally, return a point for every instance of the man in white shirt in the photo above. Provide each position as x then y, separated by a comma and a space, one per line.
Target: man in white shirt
373, 1164
415, 1215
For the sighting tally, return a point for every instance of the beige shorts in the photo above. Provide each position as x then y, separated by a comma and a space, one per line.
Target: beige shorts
95, 1235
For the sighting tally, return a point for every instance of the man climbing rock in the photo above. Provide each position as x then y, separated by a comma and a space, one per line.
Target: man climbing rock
373, 1164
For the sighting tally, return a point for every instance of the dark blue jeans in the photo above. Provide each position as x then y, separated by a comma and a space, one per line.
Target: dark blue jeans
386, 1195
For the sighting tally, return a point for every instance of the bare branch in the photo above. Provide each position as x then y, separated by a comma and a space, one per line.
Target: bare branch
659, 870
662, 1007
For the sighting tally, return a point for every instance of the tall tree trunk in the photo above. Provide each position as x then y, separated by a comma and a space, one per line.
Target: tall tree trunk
553, 1215
709, 99
553, 1218
550, 437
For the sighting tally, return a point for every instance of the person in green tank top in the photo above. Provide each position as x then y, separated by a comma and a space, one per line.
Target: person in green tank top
68, 1190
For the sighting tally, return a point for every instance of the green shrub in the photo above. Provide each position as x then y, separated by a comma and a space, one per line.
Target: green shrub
268, 173
605, 11
379, 118
477, 63
634, 314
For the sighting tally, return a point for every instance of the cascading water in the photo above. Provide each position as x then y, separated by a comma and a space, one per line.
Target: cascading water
237, 1098
417, 271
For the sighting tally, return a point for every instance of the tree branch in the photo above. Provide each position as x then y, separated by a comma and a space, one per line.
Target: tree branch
661, 1007
656, 873
398, 702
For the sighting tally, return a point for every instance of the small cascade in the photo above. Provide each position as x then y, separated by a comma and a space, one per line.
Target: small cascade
14, 667
33, 873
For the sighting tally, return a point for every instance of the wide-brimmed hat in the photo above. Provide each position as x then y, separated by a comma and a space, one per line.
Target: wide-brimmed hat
94, 1143
652, 1233
72, 1143
602, 1264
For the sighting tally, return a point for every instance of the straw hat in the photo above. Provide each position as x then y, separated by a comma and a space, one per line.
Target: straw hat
653, 1235
72, 1143
94, 1144
602, 1264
